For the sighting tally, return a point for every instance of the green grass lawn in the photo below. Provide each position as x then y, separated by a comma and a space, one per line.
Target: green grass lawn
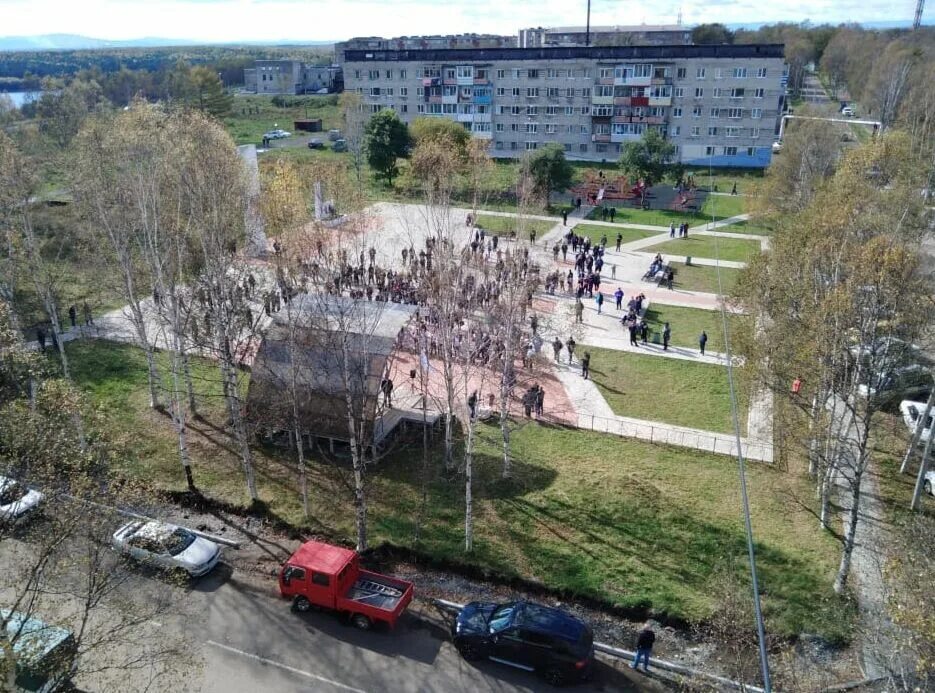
749, 226
703, 278
253, 115
724, 179
595, 232
730, 249
503, 226
648, 217
672, 391
637, 524
723, 206
687, 324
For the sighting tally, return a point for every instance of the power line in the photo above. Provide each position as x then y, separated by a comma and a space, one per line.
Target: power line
741, 465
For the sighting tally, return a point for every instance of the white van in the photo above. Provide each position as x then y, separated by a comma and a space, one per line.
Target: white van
911, 411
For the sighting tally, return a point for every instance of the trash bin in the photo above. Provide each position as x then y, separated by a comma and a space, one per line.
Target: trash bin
688, 259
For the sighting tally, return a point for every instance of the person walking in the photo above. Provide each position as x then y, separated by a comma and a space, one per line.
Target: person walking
644, 331
672, 229
40, 338
88, 317
579, 310
613, 212
632, 329
670, 275
472, 405
564, 250
618, 297
73, 316
619, 241
666, 336
586, 365
540, 400
644, 647
702, 341
557, 348
613, 271
564, 217
532, 236
534, 323
599, 300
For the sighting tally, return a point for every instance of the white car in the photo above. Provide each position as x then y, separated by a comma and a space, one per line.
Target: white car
847, 112
167, 547
281, 134
911, 412
16, 500
777, 146
929, 483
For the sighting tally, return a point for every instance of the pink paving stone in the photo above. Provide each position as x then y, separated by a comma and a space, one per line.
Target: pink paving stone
557, 406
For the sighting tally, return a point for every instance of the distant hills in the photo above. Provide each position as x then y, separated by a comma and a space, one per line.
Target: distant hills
73, 42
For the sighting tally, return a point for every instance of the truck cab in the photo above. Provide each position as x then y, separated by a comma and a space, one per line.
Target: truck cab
330, 577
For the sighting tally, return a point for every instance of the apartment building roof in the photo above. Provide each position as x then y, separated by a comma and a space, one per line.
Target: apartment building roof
615, 28
751, 50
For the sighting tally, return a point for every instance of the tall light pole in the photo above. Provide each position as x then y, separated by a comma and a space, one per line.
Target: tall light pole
917, 22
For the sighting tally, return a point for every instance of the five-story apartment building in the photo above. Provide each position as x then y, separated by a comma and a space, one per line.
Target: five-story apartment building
718, 104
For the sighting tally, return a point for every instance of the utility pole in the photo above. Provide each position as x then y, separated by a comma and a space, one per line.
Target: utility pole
587, 29
917, 22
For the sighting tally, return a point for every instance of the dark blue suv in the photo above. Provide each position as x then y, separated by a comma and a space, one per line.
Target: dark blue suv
551, 642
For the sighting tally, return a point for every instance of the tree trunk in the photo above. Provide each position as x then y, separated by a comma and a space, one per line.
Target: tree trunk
850, 534
357, 453
187, 371
235, 410
468, 485
139, 323
178, 418
923, 468
303, 471
449, 410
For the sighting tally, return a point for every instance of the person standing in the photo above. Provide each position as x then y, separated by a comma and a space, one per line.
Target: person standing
619, 241
73, 316
618, 297
532, 236
540, 400
644, 331
632, 330
570, 347
557, 348
672, 229
613, 213
564, 217
702, 341
40, 338
599, 300
586, 365
644, 647
88, 317
534, 323
666, 336
613, 271
579, 309
472, 404
564, 250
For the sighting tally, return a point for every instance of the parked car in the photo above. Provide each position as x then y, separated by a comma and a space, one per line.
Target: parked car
167, 547
276, 134
316, 143
45, 654
16, 501
334, 135
911, 412
777, 146
330, 577
892, 370
848, 112
339, 146
551, 642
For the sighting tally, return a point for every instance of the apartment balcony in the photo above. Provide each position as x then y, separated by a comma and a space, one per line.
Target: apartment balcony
601, 138
482, 118
465, 81
648, 120
622, 101
431, 81
602, 100
620, 137
449, 99
634, 81
609, 81
660, 100
660, 81
639, 100
483, 135
464, 117
600, 118
481, 82
450, 81
437, 99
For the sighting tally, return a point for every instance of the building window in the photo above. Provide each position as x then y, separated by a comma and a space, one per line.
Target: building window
699, 92
679, 92
374, 74
501, 74
583, 130
583, 148
735, 113
404, 91
532, 110
680, 73
515, 92
532, 74
760, 72
715, 113
532, 92
532, 127
737, 93
514, 127
516, 110
607, 72
570, 129
709, 151
501, 91
450, 73
499, 127
677, 112
420, 91
600, 148
465, 71
759, 93
733, 132
356, 75
389, 74
375, 91
375, 108
676, 130
498, 145
586, 92
712, 132
449, 108
751, 151
420, 108
717, 92
696, 112
699, 73
567, 147
388, 91
730, 151
755, 133
550, 129
586, 73
585, 110
449, 90
514, 145
551, 110
695, 131
718, 73
516, 73
531, 146
553, 92
569, 110
404, 108
740, 73
480, 73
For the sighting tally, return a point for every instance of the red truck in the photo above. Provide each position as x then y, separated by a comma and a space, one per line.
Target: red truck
330, 577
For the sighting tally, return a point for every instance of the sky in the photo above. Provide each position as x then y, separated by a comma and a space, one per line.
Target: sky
324, 20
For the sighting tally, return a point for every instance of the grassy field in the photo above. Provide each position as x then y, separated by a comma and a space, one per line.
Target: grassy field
636, 524
252, 115
503, 226
730, 249
595, 232
724, 179
723, 206
648, 217
675, 391
748, 226
687, 324
703, 278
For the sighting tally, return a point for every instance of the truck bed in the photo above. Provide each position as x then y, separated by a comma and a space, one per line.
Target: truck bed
377, 591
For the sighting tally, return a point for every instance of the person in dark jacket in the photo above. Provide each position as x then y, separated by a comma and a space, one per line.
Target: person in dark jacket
702, 341
666, 336
644, 647
586, 365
